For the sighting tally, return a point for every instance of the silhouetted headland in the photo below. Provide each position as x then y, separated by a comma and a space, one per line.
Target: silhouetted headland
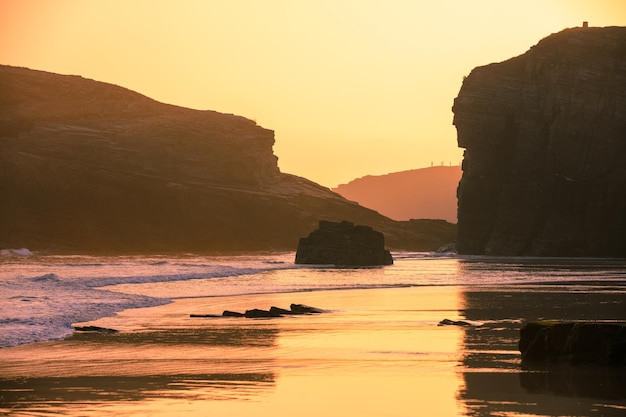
544, 171
87, 167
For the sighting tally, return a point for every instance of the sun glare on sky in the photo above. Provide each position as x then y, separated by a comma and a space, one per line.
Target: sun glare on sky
351, 88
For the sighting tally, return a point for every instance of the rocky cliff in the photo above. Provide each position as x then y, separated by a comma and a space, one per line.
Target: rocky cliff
425, 193
87, 166
544, 171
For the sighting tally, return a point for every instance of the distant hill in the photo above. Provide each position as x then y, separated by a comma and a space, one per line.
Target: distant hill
426, 193
87, 166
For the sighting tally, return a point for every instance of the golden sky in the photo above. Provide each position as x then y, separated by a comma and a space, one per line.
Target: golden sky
351, 87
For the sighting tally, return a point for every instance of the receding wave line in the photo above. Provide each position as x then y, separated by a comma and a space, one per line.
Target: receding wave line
222, 272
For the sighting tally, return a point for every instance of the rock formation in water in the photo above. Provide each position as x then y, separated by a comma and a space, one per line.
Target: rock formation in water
574, 343
544, 171
343, 243
90, 167
425, 193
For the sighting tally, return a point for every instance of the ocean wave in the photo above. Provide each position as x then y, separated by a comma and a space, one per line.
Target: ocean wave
15, 252
214, 272
51, 312
46, 278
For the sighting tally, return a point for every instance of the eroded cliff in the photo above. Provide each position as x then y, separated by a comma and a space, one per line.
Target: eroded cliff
544, 170
87, 166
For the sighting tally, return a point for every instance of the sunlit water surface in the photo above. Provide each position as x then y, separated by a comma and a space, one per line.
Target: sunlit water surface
377, 351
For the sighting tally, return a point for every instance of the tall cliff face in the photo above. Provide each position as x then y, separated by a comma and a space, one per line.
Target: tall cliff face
87, 167
544, 171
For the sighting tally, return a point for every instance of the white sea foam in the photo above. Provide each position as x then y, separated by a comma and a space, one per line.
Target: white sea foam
40, 298
15, 252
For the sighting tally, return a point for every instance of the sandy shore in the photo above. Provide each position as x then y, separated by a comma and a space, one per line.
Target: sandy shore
375, 353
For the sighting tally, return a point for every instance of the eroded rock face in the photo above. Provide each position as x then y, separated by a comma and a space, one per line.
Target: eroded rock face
90, 167
343, 243
544, 171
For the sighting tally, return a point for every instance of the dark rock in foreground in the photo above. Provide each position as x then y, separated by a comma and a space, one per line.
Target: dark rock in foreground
343, 244
94, 329
448, 322
574, 343
304, 309
228, 313
255, 313
544, 169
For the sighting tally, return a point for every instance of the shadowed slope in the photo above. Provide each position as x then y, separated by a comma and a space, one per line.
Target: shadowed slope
87, 166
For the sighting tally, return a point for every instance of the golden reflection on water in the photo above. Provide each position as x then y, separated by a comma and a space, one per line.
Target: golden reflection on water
495, 382
375, 353
378, 352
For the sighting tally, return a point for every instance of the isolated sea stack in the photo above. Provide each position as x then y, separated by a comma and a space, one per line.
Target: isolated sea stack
343, 243
90, 167
544, 171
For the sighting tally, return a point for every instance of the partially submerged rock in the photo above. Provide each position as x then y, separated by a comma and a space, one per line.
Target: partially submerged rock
228, 313
255, 313
280, 311
448, 322
304, 309
343, 244
94, 329
574, 343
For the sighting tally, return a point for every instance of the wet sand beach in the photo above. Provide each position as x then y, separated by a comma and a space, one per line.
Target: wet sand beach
376, 352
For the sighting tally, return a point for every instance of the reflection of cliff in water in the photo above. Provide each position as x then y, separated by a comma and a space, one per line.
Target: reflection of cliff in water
496, 383
213, 363
43, 393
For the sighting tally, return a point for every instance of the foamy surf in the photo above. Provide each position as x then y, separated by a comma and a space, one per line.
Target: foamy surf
42, 298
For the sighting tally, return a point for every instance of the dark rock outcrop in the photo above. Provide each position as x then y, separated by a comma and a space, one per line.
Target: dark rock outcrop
343, 244
448, 322
228, 313
257, 313
304, 309
90, 167
273, 312
574, 343
544, 171
94, 329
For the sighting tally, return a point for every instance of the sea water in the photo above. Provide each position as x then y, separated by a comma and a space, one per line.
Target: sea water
378, 350
42, 296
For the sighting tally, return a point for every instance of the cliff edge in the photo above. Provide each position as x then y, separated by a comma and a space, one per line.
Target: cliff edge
544, 170
88, 167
